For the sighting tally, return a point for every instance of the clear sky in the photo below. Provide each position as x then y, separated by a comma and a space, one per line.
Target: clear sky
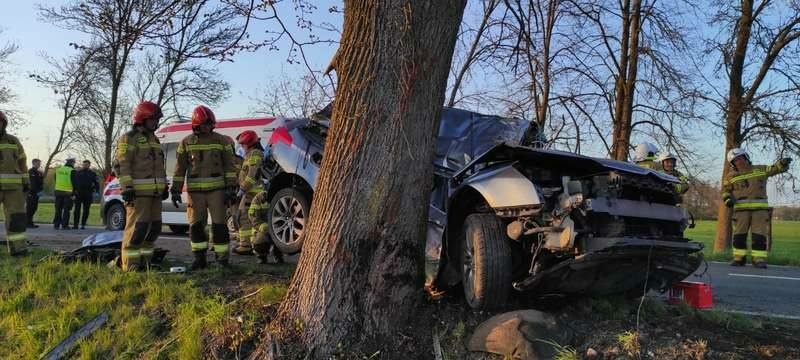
19, 20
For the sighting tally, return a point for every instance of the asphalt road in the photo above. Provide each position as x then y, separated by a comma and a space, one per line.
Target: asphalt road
774, 291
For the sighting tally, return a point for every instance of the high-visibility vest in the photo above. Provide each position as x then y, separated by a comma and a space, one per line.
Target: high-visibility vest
64, 178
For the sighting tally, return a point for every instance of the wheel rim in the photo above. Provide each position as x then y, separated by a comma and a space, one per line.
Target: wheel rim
288, 220
116, 218
468, 266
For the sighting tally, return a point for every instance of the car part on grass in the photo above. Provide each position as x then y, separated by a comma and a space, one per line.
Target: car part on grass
523, 334
62, 349
105, 247
505, 217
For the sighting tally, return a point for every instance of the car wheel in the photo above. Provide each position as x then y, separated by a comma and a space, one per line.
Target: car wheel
486, 262
115, 217
179, 229
287, 219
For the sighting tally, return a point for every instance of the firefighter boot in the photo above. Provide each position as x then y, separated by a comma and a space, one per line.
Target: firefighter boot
277, 254
199, 261
738, 261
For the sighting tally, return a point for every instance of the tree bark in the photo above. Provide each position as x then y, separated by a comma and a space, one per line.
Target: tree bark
733, 115
360, 275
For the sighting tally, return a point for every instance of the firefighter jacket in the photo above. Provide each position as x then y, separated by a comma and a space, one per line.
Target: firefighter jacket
748, 186
683, 187
249, 174
258, 210
205, 163
13, 172
648, 163
141, 163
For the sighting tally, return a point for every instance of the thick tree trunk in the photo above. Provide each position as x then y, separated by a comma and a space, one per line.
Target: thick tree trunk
733, 116
621, 134
360, 275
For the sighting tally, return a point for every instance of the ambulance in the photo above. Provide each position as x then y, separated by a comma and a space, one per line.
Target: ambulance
112, 206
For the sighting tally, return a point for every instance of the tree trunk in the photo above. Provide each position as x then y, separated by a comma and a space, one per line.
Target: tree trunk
733, 115
619, 146
360, 275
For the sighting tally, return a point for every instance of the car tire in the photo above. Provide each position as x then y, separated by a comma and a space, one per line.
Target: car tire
288, 214
486, 268
179, 229
115, 217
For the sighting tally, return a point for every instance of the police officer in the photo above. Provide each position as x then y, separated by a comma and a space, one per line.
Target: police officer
64, 193
262, 243
13, 184
36, 179
667, 162
143, 178
745, 190
249, 181
205, 164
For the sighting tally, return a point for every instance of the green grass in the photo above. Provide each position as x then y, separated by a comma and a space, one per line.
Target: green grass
151, 315
44, 215
785, 237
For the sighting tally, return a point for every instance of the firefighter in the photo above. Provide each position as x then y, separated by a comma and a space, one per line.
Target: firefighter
249, 180
668, 162
13, 186
745, 190
645, 155
262, 243
143, 178
205, 163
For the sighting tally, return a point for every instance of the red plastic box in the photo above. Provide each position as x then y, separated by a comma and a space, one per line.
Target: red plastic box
697, 294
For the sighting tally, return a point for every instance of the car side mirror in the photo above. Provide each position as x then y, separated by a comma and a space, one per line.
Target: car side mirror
317, 158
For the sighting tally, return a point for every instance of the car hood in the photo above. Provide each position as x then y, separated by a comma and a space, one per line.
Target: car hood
560, 159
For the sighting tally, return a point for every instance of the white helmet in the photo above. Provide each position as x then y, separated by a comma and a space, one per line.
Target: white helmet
643, 151
736, 152
70, 158
666, 156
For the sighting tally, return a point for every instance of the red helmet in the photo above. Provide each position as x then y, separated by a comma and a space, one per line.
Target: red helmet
247, 137
146, 110
203, 115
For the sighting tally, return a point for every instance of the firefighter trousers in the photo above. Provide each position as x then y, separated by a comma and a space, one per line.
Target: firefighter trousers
757, 223
142, 228
246, 230
13, 202
201, 204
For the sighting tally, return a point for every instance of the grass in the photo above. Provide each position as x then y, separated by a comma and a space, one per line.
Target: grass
785, 237
151, 315
44, 215
629, 341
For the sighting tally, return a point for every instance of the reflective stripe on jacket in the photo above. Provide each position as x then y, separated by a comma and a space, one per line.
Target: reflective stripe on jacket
249, 176
204, 163
13, 171
748, 187
141, 163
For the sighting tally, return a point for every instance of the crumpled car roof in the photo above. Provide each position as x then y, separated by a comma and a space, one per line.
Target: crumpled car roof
463, 135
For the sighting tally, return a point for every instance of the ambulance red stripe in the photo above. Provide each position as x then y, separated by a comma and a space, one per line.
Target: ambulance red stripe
221, 124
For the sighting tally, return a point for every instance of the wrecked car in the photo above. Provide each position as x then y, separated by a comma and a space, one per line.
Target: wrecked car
506, 216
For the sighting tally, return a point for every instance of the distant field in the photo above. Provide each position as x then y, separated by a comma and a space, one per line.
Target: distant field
44, 215
785, 238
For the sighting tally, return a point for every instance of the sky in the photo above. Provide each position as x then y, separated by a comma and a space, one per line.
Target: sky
248, 74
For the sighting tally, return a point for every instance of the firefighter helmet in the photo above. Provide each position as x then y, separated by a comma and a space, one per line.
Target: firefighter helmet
736, 152
146, 110
666, 156
247, 137
202, 115
644, 151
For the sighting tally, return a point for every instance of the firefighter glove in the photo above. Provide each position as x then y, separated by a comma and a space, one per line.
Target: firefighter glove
729, 202
164, 194
230, 197
128, 194
786, 161
176, 198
